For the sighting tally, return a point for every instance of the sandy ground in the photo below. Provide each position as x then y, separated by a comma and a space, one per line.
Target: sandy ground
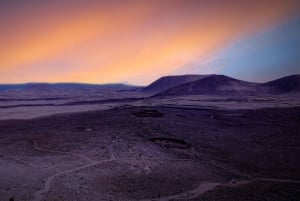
28, 109
214, 149
41, 111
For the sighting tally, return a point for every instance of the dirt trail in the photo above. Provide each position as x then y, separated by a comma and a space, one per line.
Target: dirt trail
200, 189
113, 154
20, 162
207, 186
278, 180
38, 195
191, 194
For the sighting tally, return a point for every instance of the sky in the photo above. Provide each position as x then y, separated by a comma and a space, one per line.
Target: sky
138, 41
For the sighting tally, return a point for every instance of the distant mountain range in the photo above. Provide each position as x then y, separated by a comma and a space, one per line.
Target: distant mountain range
53, 86
219, 85
178, 85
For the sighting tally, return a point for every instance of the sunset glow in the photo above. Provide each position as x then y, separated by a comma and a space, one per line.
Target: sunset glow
123, 41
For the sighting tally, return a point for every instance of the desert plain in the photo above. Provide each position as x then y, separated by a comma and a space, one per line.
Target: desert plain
192, 148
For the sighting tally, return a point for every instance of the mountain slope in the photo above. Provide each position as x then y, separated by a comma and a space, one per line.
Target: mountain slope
168, 82
287, 84
213, 85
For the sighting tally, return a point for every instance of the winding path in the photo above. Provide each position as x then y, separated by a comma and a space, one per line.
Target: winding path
207, 186
191, 194
20, 162
38, 195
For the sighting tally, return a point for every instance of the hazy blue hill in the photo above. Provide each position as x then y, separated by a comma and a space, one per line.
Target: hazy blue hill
53, 86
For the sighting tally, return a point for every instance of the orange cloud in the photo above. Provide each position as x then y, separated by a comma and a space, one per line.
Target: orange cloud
117, 41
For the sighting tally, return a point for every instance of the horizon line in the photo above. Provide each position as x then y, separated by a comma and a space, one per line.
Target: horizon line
128, 84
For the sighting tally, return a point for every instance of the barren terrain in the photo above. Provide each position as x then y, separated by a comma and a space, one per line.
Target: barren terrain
194, 148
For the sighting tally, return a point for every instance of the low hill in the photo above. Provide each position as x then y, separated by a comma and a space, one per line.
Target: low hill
289, 84
168, 82
212, 85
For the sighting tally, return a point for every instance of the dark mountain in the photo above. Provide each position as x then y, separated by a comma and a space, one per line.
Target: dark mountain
212, 85
168, 82
289, 84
